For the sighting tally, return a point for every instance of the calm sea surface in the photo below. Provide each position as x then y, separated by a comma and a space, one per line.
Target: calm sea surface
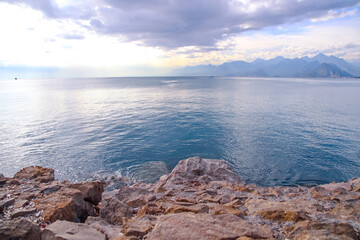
271, 131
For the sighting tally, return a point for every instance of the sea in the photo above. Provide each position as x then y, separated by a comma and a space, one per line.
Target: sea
272, 131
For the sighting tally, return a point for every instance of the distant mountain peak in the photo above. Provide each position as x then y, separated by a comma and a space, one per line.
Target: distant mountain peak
317, 66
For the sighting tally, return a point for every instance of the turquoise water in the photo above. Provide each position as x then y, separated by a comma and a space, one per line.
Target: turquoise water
271, 131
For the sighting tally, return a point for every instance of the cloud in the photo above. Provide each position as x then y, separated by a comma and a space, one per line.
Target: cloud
335, 14
172, 24
72, 36
51, 9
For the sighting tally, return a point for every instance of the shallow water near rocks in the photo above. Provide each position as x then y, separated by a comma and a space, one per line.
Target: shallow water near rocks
271, 131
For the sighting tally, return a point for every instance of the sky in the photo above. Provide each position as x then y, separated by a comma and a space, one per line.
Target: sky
109, 38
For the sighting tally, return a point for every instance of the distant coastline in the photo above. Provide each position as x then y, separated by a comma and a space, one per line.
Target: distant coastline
320, 66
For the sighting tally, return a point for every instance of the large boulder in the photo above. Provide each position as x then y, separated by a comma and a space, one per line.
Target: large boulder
65, 204
36, 173
91, 191
19, 229
113, 210
64, 230
192, 226
197, 169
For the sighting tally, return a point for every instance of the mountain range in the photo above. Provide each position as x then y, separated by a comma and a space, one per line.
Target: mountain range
320, 66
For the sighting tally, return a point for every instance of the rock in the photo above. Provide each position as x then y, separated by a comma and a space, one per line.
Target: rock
91, 191
205, 226
47, 189
138, 227
221, 209
112, 232
36, 173
292, 210
65, 204
7, 202
20, 203
347, 211
197, 169
134, 196
198, 208
282, 215
113, 210
149, 209
334, 192
22, 212
64, 230
19, 229
308, 230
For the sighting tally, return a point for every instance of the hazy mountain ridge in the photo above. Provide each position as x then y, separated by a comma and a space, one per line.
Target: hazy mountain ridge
321, 66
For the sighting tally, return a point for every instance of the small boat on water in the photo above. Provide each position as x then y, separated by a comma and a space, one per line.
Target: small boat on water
15, 78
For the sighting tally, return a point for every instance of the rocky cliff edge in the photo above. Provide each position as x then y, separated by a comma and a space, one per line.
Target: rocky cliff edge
199, 199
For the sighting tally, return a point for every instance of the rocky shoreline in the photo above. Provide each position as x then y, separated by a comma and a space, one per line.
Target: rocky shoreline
199, 199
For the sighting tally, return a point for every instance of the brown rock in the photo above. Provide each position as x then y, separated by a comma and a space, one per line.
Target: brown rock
7, 202
19, 203
65, 204
205, 226
64, 230
321, 193
295, 209
19, 228
113, 210
138, 227
222, 209
197, 169
347, 211
149, 209
22, 212
134, 196
91, 191
112, 232
281, 215
36, 173
198, 208
309, 230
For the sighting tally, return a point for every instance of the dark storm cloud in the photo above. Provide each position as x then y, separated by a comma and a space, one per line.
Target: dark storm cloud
177, 23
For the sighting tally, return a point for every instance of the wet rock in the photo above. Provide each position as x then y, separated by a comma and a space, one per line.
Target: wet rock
158, 169
113, 210
36, 173
19, 229
91, 191
205, 226
311, 230
64, 230
197, 169
22, 212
